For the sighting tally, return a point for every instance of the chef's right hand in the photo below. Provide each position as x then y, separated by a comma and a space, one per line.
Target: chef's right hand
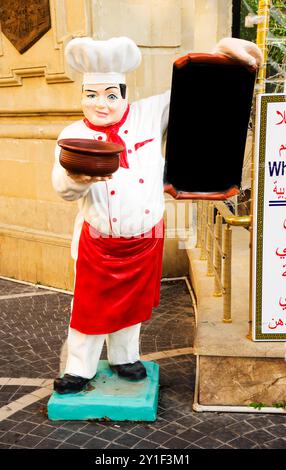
85, 179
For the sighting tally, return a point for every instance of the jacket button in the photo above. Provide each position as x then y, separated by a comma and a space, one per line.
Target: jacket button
147, 211
141, 181
114, 219
112, 193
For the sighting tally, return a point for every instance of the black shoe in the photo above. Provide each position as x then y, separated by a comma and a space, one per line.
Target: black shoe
70, 384
135, 371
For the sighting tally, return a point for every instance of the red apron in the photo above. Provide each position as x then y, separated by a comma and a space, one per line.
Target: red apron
117, 280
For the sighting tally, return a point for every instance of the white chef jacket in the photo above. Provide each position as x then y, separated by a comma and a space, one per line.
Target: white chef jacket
132, 202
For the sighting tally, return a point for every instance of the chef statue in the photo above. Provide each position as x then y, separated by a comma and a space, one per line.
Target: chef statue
118, 235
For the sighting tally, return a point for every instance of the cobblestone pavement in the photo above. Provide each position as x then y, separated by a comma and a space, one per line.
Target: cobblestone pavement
34, 327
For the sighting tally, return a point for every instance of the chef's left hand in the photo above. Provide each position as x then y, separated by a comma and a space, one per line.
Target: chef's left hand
246, 52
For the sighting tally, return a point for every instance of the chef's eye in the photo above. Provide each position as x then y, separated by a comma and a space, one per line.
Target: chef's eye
112, 97
91, 95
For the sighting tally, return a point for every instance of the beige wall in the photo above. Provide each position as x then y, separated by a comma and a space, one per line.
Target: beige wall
39, 95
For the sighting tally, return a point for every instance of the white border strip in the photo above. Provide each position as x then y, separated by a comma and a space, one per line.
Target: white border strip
25, 294
39, 286
24, 401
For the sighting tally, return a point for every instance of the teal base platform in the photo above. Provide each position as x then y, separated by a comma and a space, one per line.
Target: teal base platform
109, 397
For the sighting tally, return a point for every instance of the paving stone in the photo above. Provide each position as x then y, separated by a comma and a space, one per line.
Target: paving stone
11, 393
278, 430
224, 435
9, 388
110, 434
31, 338
176, 443
225, 446
23, 415
222, 420
25, 427
278, 419
141, 431
39, 310
48, 444
174, 428
78, 439
96, 443
113, 445
260, 422
4, 446
159, 423
128, 440
71, 425
208, 443
206, 427
13, 288
159, 437
241, 443
171, 415
29, 441
259, 436
92, 430
11, 437
61, 434
191, 435
66, 446
7, 425
193, 446
190, 420
241, 428
145, 444
276, 444
42, 431
37, 419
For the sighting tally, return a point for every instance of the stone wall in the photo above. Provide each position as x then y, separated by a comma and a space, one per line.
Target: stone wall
240, 381
40, 95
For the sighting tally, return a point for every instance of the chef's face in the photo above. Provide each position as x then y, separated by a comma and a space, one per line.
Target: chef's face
103, 104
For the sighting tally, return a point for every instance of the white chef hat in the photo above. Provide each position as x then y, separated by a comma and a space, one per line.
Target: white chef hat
103, 61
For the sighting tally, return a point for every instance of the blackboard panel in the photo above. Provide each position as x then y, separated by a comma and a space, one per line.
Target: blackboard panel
210, 107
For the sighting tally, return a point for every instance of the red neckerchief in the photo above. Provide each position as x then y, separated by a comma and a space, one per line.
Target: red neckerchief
112, 135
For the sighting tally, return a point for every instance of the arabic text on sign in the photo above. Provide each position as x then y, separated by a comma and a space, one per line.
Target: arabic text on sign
279, 191
283, 147
274, 323
283, 118
282, 254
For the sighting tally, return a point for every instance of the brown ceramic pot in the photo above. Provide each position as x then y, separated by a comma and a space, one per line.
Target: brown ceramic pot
89, 157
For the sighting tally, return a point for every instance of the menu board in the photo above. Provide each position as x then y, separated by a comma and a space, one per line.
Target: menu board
269, 223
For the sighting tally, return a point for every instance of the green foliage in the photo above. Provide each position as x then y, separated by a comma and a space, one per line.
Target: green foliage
280, 405
247, 33
257, 406
277, 31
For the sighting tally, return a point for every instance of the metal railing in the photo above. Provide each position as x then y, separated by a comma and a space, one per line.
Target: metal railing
214, 238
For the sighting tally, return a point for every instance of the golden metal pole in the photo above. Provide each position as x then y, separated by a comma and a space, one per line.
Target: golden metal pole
199, 224
210, 244
237, 220
217, 255
204, 228
261, 40
227, 274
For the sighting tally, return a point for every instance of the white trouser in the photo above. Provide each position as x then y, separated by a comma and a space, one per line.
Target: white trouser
84, 350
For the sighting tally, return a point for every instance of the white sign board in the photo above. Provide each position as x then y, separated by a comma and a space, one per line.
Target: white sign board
269, 224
